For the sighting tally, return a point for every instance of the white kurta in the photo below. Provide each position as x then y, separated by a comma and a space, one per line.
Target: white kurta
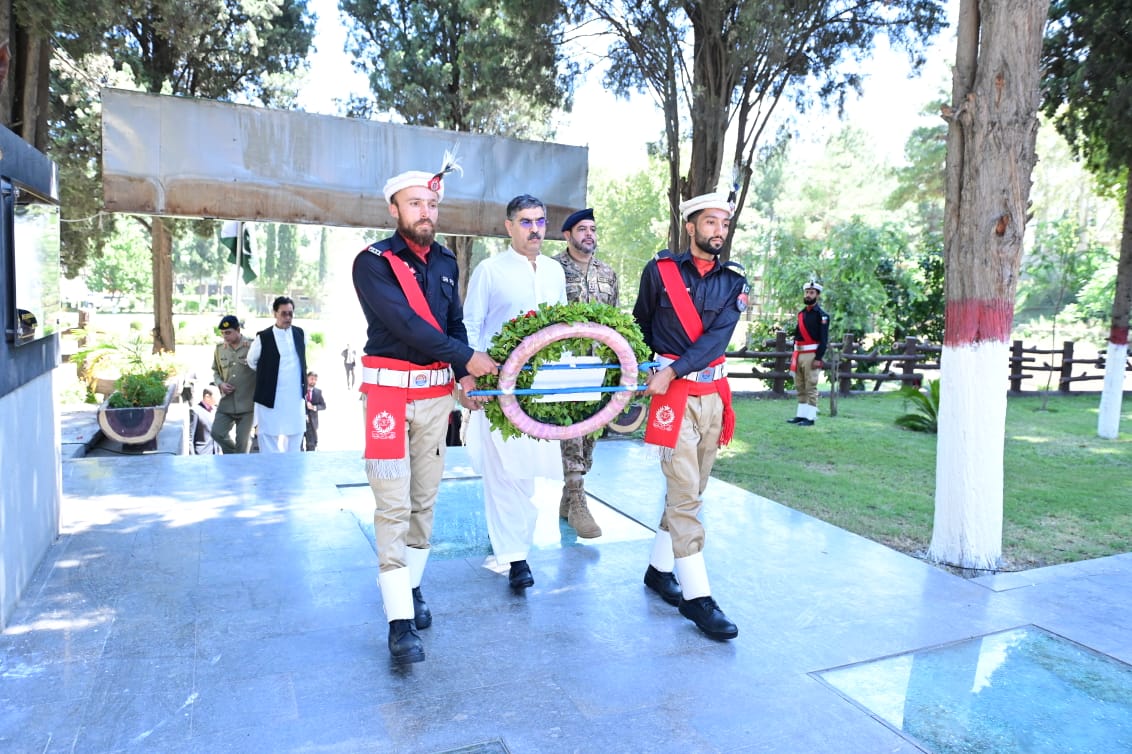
288, 417
502, 287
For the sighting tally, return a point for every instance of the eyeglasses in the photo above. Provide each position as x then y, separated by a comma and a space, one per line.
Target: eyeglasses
528, 224
287, 314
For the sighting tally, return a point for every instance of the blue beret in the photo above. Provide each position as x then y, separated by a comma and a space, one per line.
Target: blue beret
577, 217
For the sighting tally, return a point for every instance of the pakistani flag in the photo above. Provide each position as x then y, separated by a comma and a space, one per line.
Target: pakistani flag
228, 234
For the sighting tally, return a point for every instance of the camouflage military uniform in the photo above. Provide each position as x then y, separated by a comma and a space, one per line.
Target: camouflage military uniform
597, 282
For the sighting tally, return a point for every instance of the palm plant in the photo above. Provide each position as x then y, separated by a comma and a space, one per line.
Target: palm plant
925, 402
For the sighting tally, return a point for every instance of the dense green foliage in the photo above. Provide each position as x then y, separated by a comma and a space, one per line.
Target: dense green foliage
1087, 64
139, 389
481, 66
720, 65
216, 49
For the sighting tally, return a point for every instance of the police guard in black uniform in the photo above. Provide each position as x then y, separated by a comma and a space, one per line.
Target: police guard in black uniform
811, 336
408, 286
687, 308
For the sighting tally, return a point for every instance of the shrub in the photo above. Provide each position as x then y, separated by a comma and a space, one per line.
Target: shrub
137, 389
925, 417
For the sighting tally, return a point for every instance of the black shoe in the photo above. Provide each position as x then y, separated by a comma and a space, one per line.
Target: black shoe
663, 583
404, 642
795, 420
805, 422
422, 616
708, 618
520, 577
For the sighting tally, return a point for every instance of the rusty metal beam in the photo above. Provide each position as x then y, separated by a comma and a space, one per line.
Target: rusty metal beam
177, 156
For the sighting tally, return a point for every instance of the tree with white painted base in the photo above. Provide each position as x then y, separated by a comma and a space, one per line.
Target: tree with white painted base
1087, 61
990, 154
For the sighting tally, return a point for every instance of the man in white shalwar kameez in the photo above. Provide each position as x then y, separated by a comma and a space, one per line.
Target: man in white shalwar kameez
279, 356
502, 287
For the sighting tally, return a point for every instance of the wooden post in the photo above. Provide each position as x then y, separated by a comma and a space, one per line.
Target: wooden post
834, 361
781, 363
847, 349
1064, 382
1016, 366
911, 348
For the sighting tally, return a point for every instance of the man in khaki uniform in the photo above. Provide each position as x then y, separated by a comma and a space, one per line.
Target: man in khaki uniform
688, 306
408, 287
236, 382
588, 279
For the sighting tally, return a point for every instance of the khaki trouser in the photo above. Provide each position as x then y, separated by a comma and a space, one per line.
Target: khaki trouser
222, 428
403, 507
806, 379
687, 473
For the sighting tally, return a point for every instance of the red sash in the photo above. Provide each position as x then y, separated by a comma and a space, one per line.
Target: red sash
666, 412
411, 288
385, 405
807, 340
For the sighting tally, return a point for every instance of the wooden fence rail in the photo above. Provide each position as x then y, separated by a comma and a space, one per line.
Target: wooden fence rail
913, 363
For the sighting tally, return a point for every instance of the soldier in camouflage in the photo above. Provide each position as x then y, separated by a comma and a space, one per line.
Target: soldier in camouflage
588, 279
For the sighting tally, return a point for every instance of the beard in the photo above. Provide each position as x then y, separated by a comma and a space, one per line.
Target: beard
582, 249
810, 300
704, 243
423, 232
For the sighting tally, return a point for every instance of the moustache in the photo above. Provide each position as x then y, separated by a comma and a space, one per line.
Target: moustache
534, 236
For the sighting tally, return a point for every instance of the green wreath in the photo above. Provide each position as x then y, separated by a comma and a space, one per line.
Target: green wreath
567, 412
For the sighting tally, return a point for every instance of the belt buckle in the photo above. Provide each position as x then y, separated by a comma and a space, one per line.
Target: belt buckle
419, 378
706, 375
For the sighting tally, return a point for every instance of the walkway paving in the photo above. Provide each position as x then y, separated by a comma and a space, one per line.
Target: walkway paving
229, 604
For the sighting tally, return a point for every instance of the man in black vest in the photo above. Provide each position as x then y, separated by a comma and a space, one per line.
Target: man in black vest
408, 287
279, 356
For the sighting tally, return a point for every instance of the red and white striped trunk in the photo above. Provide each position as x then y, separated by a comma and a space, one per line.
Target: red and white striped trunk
990, 155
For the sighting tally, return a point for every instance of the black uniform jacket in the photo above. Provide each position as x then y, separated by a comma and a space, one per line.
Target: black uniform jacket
394, 329
817, 325
719, 297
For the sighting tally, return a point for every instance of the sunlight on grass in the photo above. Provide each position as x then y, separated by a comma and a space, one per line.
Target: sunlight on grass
1067, 494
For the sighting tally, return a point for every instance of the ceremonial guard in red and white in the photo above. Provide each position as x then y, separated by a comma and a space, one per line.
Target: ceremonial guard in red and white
416, 347
811, 336
687, 308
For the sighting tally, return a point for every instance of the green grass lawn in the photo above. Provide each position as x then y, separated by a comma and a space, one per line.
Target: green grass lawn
1067, 496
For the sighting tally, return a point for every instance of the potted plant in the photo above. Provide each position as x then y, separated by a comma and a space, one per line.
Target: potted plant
135, 412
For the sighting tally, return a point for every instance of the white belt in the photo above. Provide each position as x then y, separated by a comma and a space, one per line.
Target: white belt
711, 374
805, 347
412, 378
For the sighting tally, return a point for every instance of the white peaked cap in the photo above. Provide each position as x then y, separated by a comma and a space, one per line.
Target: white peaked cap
717, 200
413, 178
812, 284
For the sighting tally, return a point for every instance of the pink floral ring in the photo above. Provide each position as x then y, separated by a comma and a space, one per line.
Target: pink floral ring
532, 344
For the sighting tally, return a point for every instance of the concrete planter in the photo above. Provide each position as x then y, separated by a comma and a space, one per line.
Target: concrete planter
135, 427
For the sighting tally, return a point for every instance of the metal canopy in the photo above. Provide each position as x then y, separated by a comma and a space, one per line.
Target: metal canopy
176, 156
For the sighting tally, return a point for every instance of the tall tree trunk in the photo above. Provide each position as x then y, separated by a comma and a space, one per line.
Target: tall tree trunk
462, 247
161, 248
36, 55
990, 155
7, 28
1112, 396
